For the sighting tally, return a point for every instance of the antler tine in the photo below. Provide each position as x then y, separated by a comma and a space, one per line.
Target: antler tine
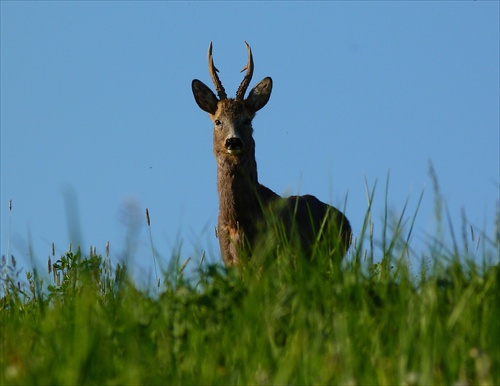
213, 74
240, 94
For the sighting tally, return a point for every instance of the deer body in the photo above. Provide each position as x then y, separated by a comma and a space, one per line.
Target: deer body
243, 201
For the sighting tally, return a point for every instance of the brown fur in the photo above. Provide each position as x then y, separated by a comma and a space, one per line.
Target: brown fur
243, 201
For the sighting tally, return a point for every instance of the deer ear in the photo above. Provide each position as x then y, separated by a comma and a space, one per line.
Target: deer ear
204, 97
259, 95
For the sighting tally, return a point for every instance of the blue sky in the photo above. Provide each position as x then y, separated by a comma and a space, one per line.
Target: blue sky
98, 121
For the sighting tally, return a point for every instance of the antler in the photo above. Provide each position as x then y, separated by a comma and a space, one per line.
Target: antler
240, 94
213, 74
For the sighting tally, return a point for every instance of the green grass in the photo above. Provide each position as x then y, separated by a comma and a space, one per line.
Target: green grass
279, 320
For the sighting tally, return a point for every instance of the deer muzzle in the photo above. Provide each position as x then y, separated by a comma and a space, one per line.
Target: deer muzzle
234, 145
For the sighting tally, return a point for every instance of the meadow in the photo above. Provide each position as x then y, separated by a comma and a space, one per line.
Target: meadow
373, 319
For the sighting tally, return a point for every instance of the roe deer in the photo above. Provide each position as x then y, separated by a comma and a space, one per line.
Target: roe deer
243, 201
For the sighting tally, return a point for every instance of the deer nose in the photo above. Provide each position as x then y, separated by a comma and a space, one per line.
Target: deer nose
234, 145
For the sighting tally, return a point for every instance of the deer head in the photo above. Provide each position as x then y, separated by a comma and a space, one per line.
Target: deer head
232, 118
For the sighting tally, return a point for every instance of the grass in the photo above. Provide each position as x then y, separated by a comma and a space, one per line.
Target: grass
279, 320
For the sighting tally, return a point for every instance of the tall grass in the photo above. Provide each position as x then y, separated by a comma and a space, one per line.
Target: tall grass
281, 319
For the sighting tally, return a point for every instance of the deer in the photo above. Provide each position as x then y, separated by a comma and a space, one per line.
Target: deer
243, 201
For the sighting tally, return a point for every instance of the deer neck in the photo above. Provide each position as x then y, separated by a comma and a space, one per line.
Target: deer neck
238, 188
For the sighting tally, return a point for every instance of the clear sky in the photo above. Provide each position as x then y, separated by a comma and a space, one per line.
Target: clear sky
98, 121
